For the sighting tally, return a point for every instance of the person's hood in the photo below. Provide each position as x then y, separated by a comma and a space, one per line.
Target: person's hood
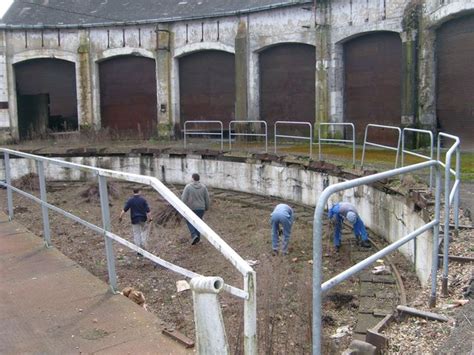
196, 185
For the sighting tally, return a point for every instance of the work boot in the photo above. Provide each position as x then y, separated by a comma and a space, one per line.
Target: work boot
365, 244
274, 252
337, 247
196, 240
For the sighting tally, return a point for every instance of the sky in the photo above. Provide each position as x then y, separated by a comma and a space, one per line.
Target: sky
4, 5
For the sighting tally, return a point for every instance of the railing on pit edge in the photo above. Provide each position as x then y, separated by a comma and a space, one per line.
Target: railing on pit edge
319, 287
337, 140
231, 134
450, 195
310, 138
423, 131
248, 294
381, 145
197, 132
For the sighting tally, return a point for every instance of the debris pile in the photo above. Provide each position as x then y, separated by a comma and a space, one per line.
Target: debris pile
29, 182
91, 193
167, 217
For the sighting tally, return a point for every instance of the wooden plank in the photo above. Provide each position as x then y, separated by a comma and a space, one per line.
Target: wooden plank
179, 337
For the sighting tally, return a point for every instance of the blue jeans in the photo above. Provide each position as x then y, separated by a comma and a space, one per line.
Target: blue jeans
194, 231
359, 230
276, 220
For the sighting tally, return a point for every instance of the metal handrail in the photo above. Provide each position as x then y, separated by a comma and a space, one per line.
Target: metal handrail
335, 140
319, 287
231, 134
423, 131
198, 132
248, 294
397, 149
450, 196
310, 138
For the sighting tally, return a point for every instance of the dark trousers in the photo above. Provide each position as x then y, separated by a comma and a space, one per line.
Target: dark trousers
194, 231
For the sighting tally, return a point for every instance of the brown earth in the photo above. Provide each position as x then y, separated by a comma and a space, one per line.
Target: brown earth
283, 283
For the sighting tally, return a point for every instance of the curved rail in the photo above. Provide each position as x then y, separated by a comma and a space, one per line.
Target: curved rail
397, 149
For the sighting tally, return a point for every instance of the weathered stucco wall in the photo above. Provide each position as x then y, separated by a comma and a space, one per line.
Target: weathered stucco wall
389, 215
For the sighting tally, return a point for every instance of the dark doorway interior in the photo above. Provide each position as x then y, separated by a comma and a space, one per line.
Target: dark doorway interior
372, 90
207, 86
46, 96
455, 79
287, 83
128, 95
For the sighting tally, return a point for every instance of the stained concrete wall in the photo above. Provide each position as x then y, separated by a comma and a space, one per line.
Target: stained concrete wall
389, 215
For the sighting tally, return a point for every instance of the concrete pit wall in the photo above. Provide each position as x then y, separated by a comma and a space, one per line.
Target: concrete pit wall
389, 215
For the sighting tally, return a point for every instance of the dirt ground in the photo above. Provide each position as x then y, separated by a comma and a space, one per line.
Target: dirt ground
283, 283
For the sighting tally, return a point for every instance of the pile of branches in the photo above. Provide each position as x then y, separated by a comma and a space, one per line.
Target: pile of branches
91, 193
29, 182
167, 217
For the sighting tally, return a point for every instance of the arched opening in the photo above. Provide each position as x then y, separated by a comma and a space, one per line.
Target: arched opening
128, 95
372, 83
287, 83
46, 96
455, 78
207, 86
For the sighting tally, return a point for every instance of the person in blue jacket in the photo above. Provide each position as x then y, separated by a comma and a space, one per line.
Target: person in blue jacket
282, 216
345, 210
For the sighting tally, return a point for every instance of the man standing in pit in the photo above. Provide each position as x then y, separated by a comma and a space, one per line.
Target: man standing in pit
196, 197
345, 210
283, 216
139, 214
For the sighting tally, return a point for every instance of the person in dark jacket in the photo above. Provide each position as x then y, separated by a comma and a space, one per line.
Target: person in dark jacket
345, 210
283, 216
139, 214
196, 197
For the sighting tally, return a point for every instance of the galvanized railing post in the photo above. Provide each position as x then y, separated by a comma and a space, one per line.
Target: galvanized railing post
8, 179
434, 264
109, 248
457, 192
250, 314
44, 208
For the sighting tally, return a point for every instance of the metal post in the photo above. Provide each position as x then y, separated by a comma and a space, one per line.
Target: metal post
250, 314
398, 147
434, 262
319, 141
9, 182
456, 196
275, 137
363, 148
44, 208
353, 147
447, 175
109, 248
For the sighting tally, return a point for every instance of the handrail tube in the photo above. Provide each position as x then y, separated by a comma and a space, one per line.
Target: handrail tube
241, 265
336, 280
447, 204
318, 232
197, 132
310, 138
249, 134
9, 190
335, 140
424, 131
381, 145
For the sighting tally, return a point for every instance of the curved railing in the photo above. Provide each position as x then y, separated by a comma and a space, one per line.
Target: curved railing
248, 294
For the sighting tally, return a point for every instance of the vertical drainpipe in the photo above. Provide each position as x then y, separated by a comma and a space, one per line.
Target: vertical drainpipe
211, 338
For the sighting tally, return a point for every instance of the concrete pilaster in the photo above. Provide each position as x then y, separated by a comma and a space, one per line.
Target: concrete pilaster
84, 82
241, 68
163, 78
409, 88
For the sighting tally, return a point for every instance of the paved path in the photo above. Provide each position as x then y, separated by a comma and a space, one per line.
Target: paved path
50, 305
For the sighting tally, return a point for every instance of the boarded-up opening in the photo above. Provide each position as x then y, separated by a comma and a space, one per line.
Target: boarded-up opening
46, 96
287, 83
455, 78
207, 86
128, 95
372, 83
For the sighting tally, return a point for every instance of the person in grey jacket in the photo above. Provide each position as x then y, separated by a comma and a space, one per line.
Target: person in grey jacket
196, 197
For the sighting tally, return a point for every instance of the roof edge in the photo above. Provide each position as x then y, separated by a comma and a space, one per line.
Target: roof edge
4, 26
